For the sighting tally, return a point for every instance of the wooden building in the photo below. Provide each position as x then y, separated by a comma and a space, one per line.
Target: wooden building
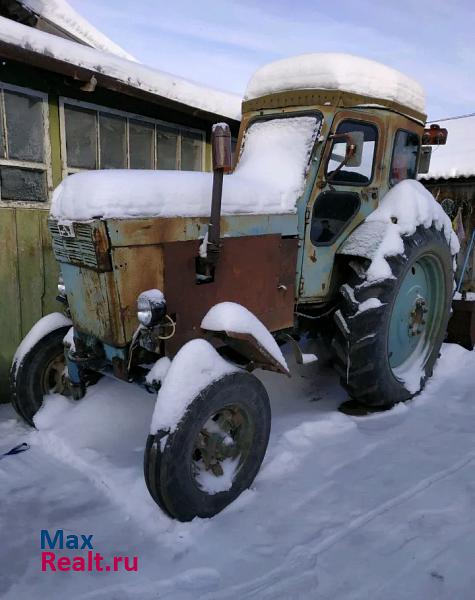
451, 179
66, 107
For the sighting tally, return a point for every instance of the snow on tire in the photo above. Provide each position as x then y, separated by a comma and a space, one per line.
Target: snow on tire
389, 332
215, 451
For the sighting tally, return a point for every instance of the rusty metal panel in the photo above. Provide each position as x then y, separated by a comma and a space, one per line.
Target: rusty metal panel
94, 303
136, 269
256, 271
155, 230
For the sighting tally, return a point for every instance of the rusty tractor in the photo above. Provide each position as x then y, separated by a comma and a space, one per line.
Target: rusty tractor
140, 290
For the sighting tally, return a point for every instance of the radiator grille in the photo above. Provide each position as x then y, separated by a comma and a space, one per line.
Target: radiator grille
78, 250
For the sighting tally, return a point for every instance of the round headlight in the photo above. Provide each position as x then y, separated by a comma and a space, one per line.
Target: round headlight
151, 308
144, 311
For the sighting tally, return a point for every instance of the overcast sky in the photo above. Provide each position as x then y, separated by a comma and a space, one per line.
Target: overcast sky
220, 43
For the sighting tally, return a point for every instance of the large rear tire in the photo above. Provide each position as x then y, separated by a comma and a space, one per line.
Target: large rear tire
42, 371
389, 332
214, 453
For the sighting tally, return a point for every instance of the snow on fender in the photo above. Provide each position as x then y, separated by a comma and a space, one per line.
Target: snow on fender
195, 367
40, 329
231, 317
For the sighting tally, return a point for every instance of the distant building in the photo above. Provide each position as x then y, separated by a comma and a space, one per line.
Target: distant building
66, 106
451, 179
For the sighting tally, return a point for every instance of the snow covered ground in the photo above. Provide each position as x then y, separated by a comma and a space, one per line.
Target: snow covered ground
376, 507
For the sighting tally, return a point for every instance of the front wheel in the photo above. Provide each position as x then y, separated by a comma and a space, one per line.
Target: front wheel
389, 332
215, 451
41, 371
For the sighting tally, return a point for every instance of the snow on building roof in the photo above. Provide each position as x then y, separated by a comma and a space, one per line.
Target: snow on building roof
337, 72
125, 71
61, 14
457, 157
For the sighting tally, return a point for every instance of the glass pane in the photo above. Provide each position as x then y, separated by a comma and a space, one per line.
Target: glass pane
362, 174
22, 184
113, 142
191, 151
403, 165
81, 138
24, 126
167, 140
140, 145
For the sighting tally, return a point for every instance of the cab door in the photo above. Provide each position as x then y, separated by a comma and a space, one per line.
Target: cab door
341, 199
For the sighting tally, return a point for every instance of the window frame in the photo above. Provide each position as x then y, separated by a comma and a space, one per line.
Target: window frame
376, 142
46, 165
98, 109
403, 130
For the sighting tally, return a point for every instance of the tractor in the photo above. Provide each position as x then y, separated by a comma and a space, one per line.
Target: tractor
186, 283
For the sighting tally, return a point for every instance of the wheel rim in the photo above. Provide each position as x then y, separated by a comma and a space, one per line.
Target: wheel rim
417, 315
221, 448
54, 379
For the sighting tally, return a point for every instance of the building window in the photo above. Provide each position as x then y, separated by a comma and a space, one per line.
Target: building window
99, 138
404, 161
23, 136
362, 174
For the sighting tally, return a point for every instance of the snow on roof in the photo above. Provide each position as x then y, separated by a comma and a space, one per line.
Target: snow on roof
61, 14
337, 72
457, 157
130, 73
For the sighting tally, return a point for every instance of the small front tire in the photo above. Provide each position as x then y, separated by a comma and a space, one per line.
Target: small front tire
214, 453
42, 371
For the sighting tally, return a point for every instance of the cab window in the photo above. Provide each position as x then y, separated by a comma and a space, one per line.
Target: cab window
404, 161
362, 174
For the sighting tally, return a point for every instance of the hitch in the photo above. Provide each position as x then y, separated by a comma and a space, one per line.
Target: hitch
209, 255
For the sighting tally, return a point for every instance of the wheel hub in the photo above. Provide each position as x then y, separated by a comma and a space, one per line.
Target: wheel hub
222, 437
416, 317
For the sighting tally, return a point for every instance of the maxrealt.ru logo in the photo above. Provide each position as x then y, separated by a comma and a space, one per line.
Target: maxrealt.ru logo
87, 560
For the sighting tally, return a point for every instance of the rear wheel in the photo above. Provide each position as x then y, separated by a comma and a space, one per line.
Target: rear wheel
389, 332
41, 372
215, 451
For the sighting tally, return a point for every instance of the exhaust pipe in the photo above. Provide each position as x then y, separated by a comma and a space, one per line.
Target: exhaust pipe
222, 163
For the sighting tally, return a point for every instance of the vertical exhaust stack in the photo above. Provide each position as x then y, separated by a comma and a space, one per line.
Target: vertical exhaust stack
222, 163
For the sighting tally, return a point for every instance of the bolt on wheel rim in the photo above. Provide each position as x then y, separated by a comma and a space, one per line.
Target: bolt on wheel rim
221, 448
416, 314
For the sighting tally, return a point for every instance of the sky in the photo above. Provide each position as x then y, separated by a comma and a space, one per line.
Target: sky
220, 43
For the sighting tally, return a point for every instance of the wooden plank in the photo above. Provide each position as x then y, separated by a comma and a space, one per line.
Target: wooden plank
10, 309
30, 267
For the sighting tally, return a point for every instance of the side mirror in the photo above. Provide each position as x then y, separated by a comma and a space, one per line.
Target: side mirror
424, 160
356, 154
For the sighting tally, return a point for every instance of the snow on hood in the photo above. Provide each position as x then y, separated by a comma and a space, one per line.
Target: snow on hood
131, 73
269, 179
61, 14
337, 72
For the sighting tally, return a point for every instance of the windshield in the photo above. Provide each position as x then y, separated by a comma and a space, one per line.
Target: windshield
275, 155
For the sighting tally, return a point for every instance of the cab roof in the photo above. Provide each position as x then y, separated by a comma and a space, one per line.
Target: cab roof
328, 76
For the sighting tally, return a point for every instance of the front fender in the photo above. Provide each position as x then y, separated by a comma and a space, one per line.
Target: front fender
246, 334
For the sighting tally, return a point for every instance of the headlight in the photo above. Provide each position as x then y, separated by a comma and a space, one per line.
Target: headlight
61, 287
151, 307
